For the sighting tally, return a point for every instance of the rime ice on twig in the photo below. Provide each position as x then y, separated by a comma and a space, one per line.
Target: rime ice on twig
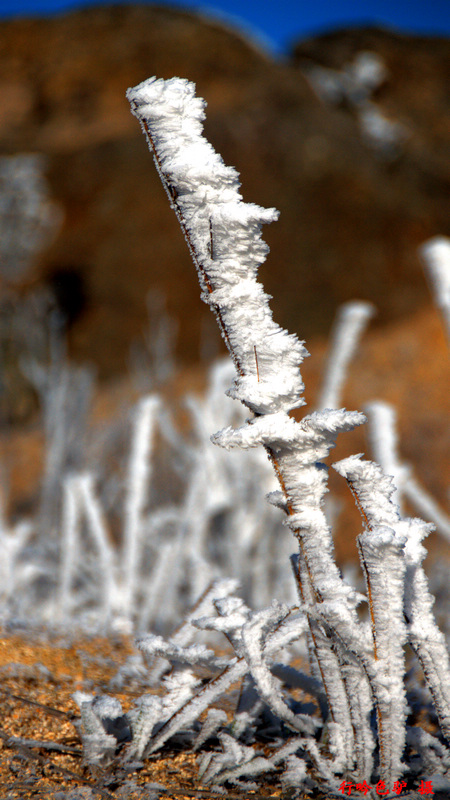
204, 194
103, 726
234, 762
65, 392
424, 634
232, 618
80, 501
223, 235
384, 445
391, 557
254, 635
382, 547
215, 719
195, 654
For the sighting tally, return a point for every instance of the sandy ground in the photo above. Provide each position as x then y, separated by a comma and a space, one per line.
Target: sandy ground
40, 750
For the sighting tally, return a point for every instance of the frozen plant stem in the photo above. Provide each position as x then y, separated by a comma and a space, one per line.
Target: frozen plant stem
381, 547
224, 237
79, 500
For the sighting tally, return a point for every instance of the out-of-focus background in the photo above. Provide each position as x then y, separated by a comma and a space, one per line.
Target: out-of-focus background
344, 129
336, 114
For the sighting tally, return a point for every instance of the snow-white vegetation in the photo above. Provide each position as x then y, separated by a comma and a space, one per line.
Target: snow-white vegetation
183, 513
334, 681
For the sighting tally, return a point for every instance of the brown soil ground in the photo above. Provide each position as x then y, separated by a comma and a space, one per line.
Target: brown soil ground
40, 750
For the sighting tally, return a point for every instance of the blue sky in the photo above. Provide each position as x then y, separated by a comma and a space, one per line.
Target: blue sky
280, 21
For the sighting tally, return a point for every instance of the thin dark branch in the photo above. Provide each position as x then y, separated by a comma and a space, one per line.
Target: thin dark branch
17, 741
211, 243
256, 359
49, 709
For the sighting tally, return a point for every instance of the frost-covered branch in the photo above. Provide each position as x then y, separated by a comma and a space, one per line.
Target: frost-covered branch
397, 587
381, 547
358, 663
223, 235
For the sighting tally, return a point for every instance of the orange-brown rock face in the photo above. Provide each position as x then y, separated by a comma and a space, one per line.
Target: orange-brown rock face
351, 218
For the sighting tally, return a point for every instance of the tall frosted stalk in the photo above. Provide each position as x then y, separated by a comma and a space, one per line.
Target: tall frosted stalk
381, 548
224, 238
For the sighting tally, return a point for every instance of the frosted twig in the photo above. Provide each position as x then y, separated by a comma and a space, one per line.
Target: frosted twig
254, 635
423, 632
384, 445
69, 527
102, 725
12, 544
79, 500
204, 194
99, 533
194, 707
382, 547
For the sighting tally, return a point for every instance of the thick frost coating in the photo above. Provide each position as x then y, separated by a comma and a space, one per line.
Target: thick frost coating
374, 490
391, 555
423, 633
356, 668
381, 548
224, 236
254, 635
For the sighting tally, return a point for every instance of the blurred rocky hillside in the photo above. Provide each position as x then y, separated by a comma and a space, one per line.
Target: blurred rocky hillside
350, 139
